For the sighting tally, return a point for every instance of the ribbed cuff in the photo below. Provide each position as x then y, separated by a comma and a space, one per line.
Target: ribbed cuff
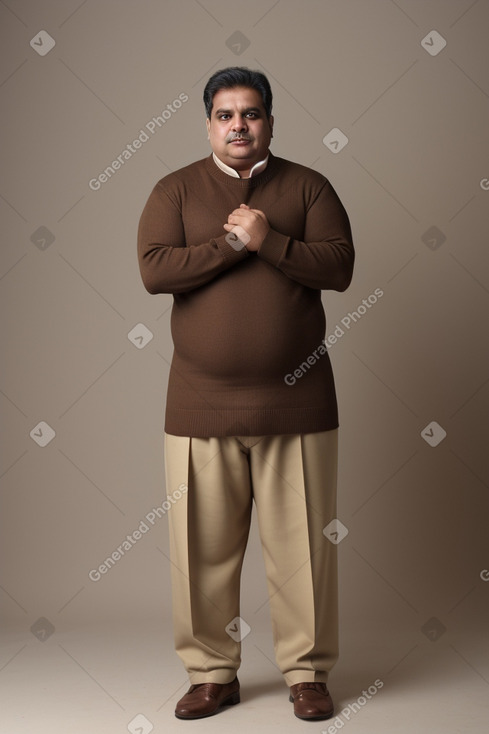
273, 247
230, 254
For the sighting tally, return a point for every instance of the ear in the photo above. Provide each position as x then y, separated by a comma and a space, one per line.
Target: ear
208, 126
270, 122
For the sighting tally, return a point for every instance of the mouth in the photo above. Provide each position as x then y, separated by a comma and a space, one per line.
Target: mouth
240, 141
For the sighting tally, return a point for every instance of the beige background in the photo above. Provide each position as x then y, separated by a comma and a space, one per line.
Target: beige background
414, 594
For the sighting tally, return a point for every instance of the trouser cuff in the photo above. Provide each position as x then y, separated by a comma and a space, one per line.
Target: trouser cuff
222, 676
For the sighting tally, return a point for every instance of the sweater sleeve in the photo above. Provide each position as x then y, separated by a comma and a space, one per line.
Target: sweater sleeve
166, 264
324, 260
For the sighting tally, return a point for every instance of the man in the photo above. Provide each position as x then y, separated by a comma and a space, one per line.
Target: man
245, 241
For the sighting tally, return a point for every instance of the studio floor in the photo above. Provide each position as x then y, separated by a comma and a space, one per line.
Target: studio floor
125, 677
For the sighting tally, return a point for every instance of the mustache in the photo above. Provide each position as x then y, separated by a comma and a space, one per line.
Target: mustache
239, 136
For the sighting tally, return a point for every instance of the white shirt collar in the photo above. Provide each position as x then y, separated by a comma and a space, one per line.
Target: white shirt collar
257, 168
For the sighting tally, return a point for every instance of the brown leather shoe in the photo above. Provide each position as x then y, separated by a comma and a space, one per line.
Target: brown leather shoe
206, 699
311, 701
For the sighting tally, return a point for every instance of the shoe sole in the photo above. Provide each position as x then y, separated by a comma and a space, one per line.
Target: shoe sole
231, 700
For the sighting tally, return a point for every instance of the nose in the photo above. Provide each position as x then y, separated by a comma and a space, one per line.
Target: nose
239, 123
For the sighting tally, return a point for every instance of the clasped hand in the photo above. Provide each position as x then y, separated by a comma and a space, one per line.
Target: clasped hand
249, 225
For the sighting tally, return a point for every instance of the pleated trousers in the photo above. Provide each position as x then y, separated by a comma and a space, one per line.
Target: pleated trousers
292, 481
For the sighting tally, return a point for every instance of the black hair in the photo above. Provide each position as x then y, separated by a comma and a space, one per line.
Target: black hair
238, 76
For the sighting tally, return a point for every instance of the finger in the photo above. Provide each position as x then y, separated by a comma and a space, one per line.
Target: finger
236, 217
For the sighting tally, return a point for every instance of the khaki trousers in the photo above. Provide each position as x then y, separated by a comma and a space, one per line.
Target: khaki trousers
292, 480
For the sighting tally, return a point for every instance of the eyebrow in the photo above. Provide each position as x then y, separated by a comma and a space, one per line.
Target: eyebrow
228, 112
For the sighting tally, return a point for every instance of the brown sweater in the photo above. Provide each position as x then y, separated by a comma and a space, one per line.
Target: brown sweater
243, 321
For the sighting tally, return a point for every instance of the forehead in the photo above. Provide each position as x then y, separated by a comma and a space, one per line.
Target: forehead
236, 98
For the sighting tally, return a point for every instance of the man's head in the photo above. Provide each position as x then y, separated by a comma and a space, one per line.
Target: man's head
238, 104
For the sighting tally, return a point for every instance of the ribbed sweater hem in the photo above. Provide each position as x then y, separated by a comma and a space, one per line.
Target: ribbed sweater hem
249, 422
